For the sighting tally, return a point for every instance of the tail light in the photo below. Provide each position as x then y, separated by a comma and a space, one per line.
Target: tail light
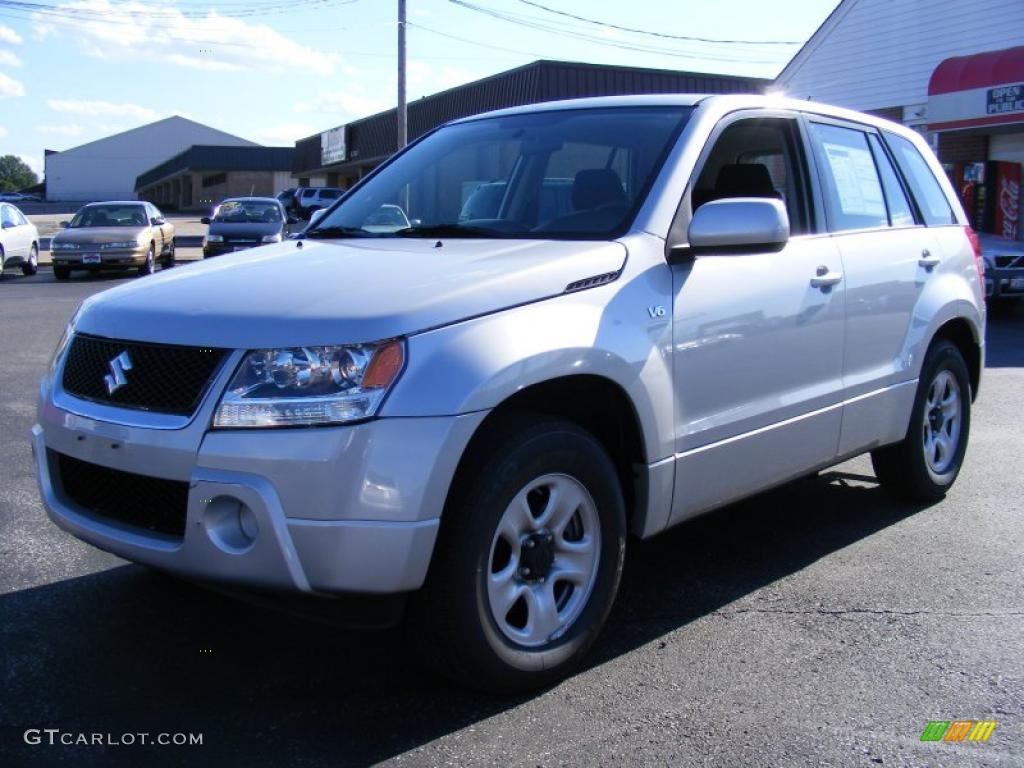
975, 241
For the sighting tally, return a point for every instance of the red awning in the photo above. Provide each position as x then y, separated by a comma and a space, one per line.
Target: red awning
985, 89
982, 70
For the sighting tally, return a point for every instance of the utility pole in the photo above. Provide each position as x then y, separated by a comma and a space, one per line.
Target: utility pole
403, 126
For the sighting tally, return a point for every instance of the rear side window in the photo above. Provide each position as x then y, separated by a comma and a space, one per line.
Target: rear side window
853, 190
901, 213
930, 198
329, 194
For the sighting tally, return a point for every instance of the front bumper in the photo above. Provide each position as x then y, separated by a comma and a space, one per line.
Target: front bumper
109, 259
1004, 282
218, 249
334, 509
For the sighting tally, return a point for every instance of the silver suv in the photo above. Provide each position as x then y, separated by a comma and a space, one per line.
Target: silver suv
475, 413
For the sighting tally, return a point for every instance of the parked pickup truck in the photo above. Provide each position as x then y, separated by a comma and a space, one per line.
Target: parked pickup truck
474, 414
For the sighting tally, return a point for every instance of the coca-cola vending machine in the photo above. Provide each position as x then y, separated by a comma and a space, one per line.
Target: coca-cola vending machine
997, 200
967, 178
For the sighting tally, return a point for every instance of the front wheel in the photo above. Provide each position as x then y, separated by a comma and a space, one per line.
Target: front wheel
149, 265
61, 273
528, 561
925, 464
31, 266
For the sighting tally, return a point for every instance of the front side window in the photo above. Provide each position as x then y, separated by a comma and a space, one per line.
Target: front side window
930, 198
757, 157
853, 191
6, 218
580, 173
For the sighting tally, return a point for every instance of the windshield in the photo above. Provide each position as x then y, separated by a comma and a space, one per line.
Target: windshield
110, 216
578, 173
248, 212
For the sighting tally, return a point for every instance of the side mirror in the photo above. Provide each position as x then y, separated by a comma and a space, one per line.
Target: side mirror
316, 216
204, 220
156, 222
738, 225
64, 224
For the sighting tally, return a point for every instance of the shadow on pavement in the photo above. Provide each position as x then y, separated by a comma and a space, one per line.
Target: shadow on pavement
124, 650
1005, 337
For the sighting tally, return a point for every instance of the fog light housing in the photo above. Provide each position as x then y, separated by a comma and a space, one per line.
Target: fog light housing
231, 525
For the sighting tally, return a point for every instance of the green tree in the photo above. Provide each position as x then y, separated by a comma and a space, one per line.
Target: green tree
15, 175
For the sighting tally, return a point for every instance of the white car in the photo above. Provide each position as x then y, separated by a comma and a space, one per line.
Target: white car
19, 241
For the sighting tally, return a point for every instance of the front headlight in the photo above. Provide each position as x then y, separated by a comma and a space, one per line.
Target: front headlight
272, 238
301, 386
122, 244
214, 239
57, 245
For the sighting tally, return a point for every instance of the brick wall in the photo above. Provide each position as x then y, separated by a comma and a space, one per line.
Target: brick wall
959, 147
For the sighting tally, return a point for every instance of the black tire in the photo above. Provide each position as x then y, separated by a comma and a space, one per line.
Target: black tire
451, 619
903, 469
3, 262
149, 266
31, 266
168, 261
61, 273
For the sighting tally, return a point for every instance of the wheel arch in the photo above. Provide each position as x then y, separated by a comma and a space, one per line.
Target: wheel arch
963, 334
596, 404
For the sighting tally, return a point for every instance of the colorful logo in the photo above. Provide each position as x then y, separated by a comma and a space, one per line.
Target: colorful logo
958, 730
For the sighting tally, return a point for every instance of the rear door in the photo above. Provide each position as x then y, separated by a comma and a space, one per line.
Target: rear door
886, 253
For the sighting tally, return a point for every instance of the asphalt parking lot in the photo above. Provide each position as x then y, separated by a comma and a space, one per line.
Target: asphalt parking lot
819, 624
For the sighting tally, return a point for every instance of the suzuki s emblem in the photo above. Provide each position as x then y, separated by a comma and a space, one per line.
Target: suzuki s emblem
116, 378
656, 312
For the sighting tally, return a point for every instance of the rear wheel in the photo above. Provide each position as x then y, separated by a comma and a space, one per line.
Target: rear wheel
925, 464
529, 559
31, 265
61, 273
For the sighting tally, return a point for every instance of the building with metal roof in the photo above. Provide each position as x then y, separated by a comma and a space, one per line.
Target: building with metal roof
343, 154
202, 176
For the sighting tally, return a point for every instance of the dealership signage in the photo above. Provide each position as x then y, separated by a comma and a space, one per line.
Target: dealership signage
1005, 98
332, 146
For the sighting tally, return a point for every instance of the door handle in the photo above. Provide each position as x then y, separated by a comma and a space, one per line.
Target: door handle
825, 278
927, 260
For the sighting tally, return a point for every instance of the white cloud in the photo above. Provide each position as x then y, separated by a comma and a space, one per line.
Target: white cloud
33, 162
211, 65
425, 79
139, 30
101, 109
284, 133
351, 103
8, 59
69, 129
10, 87
8, 35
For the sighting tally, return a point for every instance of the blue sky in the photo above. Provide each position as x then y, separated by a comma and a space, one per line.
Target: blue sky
275, 70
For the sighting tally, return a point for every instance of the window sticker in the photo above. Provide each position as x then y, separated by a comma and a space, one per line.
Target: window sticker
860, 193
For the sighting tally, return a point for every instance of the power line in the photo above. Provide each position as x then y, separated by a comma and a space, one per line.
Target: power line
634, 30
563, 31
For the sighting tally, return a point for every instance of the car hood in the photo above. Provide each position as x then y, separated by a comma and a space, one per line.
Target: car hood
335, 292
98, 235
253, 229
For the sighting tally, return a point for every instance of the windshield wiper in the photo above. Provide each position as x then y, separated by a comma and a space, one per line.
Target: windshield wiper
447, 230
327, 232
